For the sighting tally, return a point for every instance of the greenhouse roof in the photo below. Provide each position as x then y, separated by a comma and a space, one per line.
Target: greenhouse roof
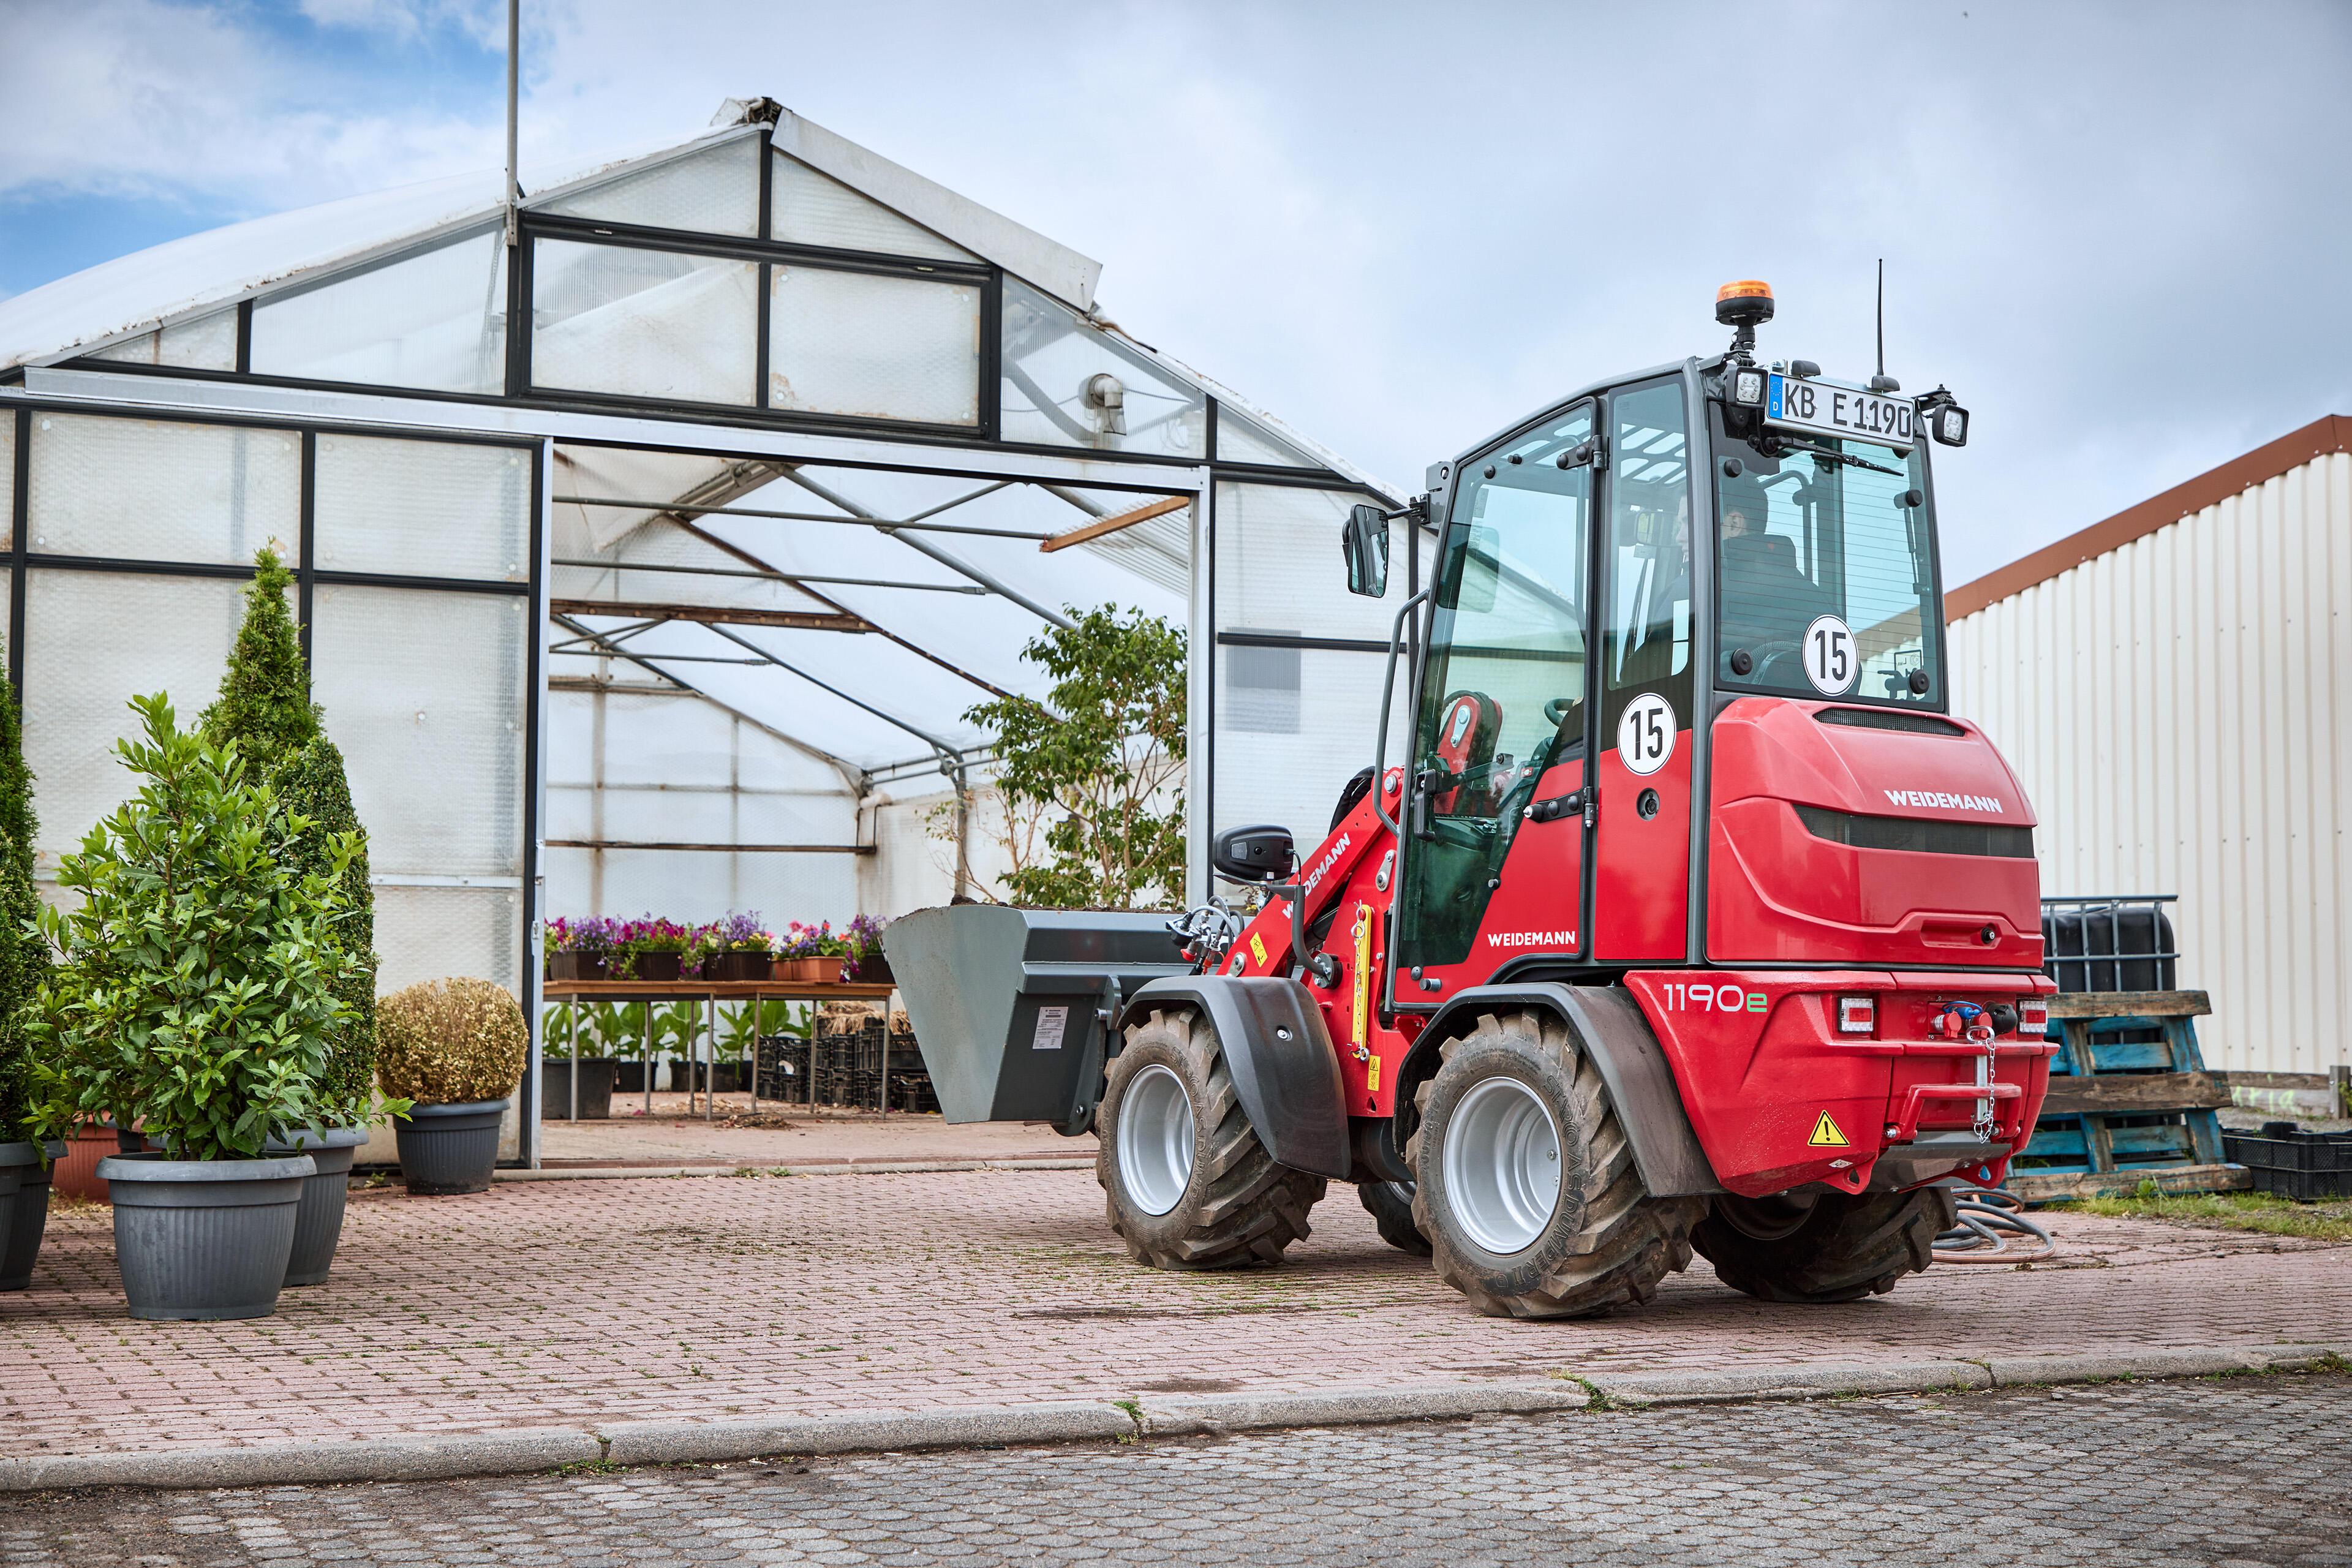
857, 610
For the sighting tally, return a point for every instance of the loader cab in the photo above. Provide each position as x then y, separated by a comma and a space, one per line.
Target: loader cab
1611, 576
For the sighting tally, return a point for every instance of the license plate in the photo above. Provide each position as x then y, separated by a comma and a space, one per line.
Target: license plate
1827, 410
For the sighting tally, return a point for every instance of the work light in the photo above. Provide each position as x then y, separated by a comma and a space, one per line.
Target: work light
1747, 386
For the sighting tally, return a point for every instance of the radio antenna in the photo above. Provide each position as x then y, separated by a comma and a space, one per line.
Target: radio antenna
1883, 382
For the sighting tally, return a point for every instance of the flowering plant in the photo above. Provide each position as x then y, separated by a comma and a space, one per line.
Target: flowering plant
741, 933
594, 937
864, 935
808, 942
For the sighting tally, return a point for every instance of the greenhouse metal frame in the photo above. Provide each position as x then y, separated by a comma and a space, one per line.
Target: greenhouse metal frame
961, 441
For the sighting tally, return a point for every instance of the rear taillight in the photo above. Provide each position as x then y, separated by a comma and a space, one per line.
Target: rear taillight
1856, 1014
2034, 1018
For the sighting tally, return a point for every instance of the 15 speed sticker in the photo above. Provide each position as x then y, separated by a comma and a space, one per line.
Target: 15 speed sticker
1646, 735
1830, 661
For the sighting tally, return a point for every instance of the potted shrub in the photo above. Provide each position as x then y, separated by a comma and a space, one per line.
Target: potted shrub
455, 1049
653, 949
867, 962
572, 1046
24, 963
197, 992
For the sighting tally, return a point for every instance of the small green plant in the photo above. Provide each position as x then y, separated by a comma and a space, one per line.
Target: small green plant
200, 976
2261, 1212
450, 1042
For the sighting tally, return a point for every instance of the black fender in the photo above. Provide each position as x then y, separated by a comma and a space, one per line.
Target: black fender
1608, 1027
1279, 1054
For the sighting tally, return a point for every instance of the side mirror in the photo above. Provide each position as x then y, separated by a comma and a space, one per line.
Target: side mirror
1260, 854
1364, 541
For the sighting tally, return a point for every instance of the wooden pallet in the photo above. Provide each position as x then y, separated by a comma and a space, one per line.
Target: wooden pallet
2130, 1100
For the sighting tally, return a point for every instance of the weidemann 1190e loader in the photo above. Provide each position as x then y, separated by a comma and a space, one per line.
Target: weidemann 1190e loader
1693, 922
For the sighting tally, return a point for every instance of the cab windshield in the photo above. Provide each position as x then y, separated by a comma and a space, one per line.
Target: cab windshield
1825, 580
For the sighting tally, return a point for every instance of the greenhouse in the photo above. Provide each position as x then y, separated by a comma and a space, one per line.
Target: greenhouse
654, 534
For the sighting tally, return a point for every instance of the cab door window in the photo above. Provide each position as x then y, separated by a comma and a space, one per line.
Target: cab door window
1504, 694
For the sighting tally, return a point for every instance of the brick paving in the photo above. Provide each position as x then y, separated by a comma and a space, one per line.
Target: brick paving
2239, 1472
577, 1303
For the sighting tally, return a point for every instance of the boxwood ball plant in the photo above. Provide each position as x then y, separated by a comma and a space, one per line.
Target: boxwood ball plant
200, 974
450, 1042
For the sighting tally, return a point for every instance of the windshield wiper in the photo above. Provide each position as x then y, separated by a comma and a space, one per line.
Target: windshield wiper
1833, 455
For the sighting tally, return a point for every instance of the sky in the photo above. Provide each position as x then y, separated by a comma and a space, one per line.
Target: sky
2120, 233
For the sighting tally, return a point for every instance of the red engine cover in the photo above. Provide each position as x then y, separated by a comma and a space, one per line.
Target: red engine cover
1778, 892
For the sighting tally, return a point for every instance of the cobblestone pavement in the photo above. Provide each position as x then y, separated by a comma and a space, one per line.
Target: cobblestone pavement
2238, 1471
579, 1303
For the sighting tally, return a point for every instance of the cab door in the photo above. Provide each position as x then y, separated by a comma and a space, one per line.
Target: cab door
1641, 869
1494, 859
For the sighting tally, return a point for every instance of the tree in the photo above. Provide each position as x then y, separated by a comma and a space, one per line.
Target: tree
265, 707
1100, 762
23, 956
265, 697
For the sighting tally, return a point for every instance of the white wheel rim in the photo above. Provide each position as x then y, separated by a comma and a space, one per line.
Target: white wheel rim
1502, 1165
1155, 1139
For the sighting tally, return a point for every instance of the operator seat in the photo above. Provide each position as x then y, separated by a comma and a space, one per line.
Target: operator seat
1765, 596
1467, 728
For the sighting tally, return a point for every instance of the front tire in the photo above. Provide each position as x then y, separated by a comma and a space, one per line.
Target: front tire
1525, 1185
1821, 1246
1186, 1182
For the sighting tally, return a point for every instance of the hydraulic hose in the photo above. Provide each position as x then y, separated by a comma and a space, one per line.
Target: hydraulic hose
1990, 1220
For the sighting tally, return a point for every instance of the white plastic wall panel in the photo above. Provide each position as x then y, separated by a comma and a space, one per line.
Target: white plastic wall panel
436, 321
713, 191
872, 345
92, 641
2180, 714
201, 342
146, 489
644, 323
423, 508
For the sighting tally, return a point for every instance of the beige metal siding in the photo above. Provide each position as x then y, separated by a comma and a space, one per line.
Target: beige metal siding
2180, 712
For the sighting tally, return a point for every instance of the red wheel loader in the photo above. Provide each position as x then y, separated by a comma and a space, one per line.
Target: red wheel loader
1689, 920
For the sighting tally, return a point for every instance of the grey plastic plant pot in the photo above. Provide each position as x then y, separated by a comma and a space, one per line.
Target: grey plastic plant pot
319, 1224
29, 1217
15, 1159
447, 1149
203, 1240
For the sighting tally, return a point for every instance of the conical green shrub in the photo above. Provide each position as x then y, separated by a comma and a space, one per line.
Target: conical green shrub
265, 707
23, 956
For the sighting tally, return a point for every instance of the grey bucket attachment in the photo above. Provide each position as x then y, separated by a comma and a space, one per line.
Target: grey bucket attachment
1008, 1004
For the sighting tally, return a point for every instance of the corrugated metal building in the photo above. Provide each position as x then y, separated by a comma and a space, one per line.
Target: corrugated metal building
2174, 686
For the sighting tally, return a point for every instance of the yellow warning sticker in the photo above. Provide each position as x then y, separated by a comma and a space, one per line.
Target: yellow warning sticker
1257, 949
1826, 1134
1373, 1076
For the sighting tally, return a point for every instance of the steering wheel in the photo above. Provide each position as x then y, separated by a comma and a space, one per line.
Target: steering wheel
1556, 710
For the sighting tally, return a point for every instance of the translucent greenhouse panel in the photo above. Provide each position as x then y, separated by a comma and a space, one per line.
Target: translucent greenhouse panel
423, 508
434, 934
1051, 396
1279, 568
645, 323
206, 342
142, 490
436, 320
92, 641
8, 463
715, 190
630, 573
880, 347
1283, 760
1241, 440
625, 883
425, 692
810, 208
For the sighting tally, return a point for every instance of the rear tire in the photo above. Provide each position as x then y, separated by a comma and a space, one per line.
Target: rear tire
1186, 1180
1390, 1205
1525, 1185
1821, 1248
